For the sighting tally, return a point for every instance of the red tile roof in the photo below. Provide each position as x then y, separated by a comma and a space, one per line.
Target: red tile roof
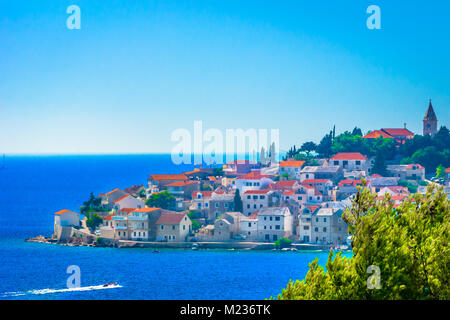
256, 191
254, 215
313, 181
168, 177
127, 210
181, 183
349, 181
109, 217
115, 190
376, 134
397, 132
170, 218
312, 208
288, 193
146, 209
62, 211
447, 170
121, 198
205, 194
287, 183
291, 163
254, 175
349, 156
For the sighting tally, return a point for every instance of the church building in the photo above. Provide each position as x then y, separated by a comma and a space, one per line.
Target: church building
430, 122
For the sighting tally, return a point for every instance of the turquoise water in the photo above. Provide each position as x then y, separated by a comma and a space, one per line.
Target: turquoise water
32, 188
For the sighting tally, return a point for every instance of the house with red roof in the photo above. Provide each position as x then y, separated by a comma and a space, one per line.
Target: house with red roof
348, 187
158, 182
183, 189
173, 226
399, 134
407, 171
254, 200
376, 134
447, 177
351, 161
64, 221
128, 201
67, 218
252, 181
109, 197
290, 169
323, 185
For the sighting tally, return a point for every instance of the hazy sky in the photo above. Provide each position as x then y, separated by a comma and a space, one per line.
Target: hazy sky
137, 70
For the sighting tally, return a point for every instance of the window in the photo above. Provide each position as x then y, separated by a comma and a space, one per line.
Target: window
324, 229
249, 224
249, 197
248, 207
184, 227
206, 204
358, 162
317, 219
162, 227
277, 227
270, 218
262, 197
316, 229
336, 163
305, 227
255, 197
173, 227
277, 218
324, 219
225, 205
299, 198
217, 204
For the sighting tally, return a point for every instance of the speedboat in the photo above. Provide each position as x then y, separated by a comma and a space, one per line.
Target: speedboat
109, 284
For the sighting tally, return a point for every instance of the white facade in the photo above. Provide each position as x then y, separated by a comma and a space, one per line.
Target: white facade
249, 228
128, 201
254, 200
274, 223
67, 218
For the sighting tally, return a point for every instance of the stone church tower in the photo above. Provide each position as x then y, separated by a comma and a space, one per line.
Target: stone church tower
430, 122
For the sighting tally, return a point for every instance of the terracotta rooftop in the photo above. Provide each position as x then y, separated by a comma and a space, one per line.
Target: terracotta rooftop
170, 218
62, 211
349, 156
291, 163
168, 177
376, 134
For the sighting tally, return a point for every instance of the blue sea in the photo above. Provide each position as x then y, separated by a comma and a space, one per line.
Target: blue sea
32, 188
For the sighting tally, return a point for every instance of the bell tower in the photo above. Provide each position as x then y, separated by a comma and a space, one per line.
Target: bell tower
430, 121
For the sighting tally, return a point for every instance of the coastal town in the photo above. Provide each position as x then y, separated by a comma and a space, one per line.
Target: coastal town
251, 203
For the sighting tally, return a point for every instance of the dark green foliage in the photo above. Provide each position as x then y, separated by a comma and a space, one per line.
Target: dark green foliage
163, 200
238, 206
92, 205
283, 243
94, 221
409, 245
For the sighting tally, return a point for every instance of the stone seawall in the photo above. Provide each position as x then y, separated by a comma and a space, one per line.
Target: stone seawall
80, 238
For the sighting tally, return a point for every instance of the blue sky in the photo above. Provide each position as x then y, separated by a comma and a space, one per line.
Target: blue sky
137, 70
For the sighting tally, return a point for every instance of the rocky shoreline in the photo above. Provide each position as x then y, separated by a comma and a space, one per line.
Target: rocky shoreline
110, 243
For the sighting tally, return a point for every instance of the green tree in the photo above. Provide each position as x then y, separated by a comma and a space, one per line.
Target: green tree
238, 206
308, 147
94, 221
440, 171
163, 200
408, 245
283, 243
324, 147
357, 132
379, 165
92, 204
